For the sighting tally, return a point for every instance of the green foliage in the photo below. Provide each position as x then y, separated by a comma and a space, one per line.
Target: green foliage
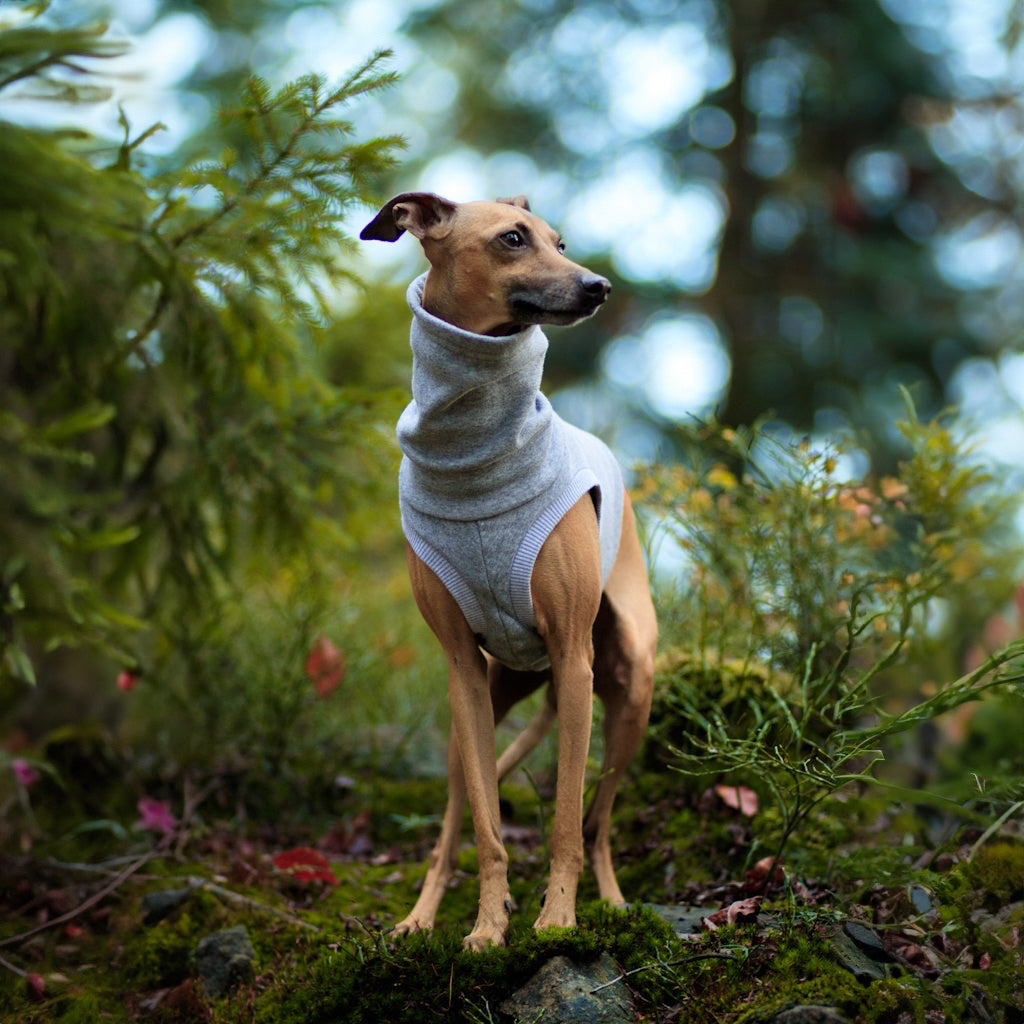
165, 423
47, 59
806, 598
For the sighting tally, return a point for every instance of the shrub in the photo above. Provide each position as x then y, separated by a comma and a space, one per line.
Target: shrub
809, 604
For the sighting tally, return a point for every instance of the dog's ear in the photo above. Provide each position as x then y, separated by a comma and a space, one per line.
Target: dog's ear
419, 213
521, 201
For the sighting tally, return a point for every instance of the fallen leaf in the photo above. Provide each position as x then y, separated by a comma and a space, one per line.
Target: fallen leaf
736, 913
743, 910
758, 874
739, 798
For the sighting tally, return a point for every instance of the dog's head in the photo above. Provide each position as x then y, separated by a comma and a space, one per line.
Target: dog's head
494, 267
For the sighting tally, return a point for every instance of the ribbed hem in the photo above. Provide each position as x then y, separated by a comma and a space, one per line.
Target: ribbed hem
450, 577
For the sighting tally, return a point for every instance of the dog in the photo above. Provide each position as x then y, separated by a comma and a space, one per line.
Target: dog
521, 543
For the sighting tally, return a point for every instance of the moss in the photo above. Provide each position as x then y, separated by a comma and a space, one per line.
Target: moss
162, 954
998, 869
368, 978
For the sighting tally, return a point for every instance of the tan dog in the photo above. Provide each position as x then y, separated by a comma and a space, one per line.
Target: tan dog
495, 269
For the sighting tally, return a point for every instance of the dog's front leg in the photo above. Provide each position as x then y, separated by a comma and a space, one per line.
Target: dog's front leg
566, 589
444, 858
473, 741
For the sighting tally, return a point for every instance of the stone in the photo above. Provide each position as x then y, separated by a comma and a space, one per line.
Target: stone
683, 920
860, 951
158, 905
563, 992
224, 960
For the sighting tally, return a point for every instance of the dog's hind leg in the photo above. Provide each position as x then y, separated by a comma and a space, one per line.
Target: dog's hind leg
625, 637
536, 729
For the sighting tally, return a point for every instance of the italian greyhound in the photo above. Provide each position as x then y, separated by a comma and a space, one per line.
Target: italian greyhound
527, 576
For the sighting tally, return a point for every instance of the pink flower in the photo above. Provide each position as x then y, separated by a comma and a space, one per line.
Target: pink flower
126, 681
24, 772
155, 815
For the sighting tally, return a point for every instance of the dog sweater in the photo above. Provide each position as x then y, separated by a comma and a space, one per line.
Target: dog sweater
488, 471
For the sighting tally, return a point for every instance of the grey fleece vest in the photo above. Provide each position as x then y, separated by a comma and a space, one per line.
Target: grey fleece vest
488, 471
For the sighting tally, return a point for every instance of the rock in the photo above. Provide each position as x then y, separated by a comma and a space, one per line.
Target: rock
683, 920
867, 939
225, 959
564, 993
158, 905
860, 951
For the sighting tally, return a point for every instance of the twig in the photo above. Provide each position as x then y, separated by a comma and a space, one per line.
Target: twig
120, 877
104, 868
238, 900
14, 970
664, 963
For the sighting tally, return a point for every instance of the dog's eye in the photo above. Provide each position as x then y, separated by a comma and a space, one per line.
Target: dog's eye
561, 247
513, 238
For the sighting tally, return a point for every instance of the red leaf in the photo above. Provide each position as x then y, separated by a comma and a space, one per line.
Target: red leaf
325, 666
739, 798
305, 865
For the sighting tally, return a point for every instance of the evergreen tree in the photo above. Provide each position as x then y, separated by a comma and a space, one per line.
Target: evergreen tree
163, 417
816, 132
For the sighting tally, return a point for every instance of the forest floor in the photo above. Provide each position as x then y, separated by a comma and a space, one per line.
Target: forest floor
884, 915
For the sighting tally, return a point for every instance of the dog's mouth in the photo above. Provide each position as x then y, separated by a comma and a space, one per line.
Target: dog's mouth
558, 308
532, 313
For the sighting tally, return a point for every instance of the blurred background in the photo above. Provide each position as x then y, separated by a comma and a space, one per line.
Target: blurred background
803, 205
806, 206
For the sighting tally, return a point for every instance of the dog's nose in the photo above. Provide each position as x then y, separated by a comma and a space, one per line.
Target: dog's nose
595, 286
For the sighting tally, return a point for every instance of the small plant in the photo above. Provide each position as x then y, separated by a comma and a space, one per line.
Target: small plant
810, 601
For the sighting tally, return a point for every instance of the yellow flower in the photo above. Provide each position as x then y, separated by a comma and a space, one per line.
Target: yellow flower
722, 477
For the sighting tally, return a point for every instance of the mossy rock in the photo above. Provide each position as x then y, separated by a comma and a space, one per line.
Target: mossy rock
998, 870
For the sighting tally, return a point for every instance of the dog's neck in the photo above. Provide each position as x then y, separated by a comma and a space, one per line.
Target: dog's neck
478, 428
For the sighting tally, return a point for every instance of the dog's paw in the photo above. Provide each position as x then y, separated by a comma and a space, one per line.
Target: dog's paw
480, 939
410, 926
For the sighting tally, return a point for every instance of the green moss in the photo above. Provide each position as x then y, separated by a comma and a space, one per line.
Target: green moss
162, 953
998, 869
368, 978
